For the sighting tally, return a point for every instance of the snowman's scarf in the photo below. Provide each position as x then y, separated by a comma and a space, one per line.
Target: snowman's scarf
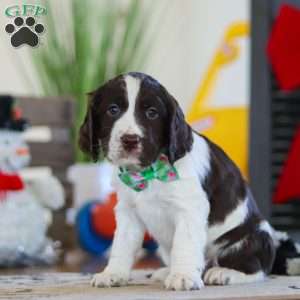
9, 183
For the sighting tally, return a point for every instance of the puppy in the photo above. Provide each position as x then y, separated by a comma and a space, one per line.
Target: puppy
204, 217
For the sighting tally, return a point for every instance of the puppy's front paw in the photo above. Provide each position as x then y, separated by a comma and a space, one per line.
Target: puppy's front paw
184, 281
107, 279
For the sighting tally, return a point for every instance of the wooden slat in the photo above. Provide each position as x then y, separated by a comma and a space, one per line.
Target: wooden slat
279, 158
51, 154
284, 95
61, 135
58, 112
285, 120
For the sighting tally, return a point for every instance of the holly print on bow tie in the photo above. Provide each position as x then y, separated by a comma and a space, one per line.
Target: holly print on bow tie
161, 170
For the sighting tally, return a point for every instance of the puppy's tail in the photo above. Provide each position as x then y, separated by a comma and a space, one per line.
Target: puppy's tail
287, 259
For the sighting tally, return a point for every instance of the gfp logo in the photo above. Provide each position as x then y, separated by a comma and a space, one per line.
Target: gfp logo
24, 30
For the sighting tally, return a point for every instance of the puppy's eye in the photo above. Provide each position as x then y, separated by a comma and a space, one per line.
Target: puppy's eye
152, 113
113, 110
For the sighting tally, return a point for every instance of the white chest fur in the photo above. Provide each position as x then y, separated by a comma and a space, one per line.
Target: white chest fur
161, 204
157, 214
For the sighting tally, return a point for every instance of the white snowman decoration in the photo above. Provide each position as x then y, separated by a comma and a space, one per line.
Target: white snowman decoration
25, 203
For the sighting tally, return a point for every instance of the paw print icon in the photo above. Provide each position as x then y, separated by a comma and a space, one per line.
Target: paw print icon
24, 32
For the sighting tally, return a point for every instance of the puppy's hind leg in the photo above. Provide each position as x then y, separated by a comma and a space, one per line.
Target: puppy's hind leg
225, 276
248, 260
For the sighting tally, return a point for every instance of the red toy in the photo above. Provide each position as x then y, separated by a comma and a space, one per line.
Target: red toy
288, 187
103, 218
284, 47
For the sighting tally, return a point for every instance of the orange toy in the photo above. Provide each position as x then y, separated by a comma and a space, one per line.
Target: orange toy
103, 218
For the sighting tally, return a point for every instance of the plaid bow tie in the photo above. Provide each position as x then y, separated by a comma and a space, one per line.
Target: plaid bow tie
161, 169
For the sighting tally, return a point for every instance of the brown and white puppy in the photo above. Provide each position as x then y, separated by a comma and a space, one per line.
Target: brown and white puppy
206, 223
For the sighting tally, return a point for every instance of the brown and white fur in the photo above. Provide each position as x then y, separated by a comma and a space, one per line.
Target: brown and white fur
206, 223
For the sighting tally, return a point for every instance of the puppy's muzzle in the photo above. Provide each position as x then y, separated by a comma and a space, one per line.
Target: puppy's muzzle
130, 142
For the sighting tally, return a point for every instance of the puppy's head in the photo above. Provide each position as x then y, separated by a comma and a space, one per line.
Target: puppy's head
132, 118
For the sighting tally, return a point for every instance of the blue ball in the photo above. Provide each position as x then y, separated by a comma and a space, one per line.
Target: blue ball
89, 240
151, 245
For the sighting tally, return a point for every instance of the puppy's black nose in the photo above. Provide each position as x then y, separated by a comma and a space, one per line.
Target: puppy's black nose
130, 141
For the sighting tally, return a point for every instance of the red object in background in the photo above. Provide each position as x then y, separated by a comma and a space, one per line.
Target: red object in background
288, 187
283, 47
103, 218
9, 182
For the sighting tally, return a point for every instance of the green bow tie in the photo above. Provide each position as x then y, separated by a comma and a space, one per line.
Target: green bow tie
161, 169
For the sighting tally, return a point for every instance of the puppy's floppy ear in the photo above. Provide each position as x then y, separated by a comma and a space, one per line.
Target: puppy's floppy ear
88, 141
180, 133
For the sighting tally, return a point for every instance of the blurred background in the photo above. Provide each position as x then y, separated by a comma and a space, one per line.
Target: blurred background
232, 65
